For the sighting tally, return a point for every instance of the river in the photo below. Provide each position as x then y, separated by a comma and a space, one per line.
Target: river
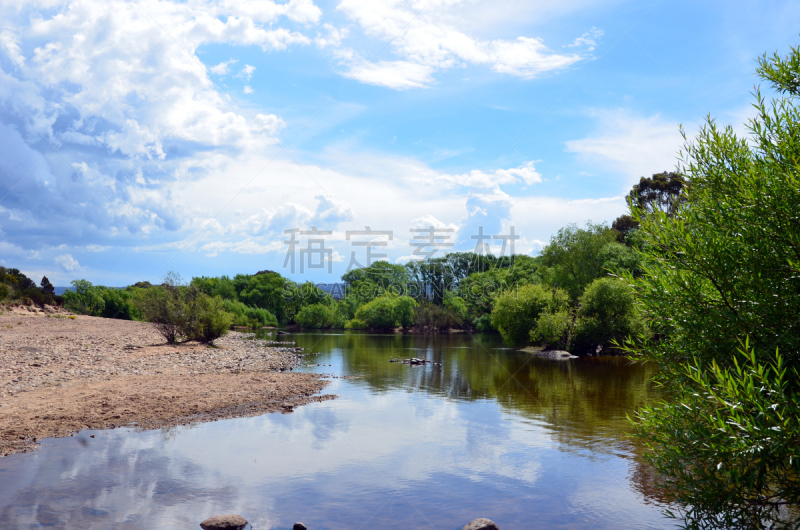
492, 432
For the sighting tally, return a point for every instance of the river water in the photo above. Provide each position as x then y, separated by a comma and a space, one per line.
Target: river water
493, 432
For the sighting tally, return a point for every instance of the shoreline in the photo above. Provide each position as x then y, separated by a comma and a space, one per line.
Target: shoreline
62, 374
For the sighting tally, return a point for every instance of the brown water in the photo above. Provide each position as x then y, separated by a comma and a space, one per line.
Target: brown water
492, 433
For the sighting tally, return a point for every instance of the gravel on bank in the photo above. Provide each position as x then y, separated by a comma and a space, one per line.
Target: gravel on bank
61, 373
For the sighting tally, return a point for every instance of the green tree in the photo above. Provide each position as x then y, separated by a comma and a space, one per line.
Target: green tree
206, 317
573, 257
381, 273
319, 316
268, 291
517, 311
721, 275
385, 313
607, 313
84, 298
47, 287
662, 192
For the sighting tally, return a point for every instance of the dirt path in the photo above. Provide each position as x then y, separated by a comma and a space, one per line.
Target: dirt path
59, 375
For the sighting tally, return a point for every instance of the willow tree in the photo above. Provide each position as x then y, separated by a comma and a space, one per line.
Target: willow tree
722, 287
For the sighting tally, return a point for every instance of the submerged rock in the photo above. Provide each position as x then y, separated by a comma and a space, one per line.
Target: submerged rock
481, 523
224, 522
555, 354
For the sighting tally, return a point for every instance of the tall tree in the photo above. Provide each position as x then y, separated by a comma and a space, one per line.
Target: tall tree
721, 281
662, 192
47, 287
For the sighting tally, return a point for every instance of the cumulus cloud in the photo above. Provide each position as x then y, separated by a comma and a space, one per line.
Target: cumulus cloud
67, 263
101, 109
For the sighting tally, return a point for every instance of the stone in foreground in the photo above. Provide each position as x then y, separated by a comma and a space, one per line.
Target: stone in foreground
224, 522
481, 523
299, 526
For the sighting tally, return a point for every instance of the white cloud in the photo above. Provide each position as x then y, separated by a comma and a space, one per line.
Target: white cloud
427, 38
333, 37
223, 68
399, 75
635, 145
247, 89
67, 263
588, 39
246, 73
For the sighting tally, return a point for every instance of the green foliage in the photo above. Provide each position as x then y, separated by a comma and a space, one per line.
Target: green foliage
355, 323
457, 306
206, 317
745, 470
573, 257
244, 315
624, 225
47, 287
382, 274
480, 289
164, 307
387, 312
607, 313
183, 312
221, 286
84, 298
16, 286
268, 291
553, 329
431, 317
617, 259
516, 312
118, 303
319, 316
663, 192
484, 323
722, 269
99, 301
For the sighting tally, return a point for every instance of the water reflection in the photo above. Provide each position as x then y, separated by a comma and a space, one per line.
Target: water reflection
492, 433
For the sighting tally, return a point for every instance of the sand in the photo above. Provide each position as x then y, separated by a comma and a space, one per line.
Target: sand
62, 373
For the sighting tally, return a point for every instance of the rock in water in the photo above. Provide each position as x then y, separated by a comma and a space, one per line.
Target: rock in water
299, 526
481, 524
224, 522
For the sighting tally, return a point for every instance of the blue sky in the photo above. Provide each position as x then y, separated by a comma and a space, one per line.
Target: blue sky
142, 137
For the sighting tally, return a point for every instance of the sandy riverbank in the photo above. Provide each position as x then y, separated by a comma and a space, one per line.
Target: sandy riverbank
59, 375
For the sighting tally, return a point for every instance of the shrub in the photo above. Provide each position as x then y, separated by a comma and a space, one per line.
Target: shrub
457, 306
484, 323
244, 315
387, 312
516, 312
208, 319
162, 306
318, 316
84, 298
607, 313
355, 323
180, 312
436, 318
4, 291
553, 329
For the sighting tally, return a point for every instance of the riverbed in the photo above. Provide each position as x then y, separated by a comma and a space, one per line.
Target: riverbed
492, 432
